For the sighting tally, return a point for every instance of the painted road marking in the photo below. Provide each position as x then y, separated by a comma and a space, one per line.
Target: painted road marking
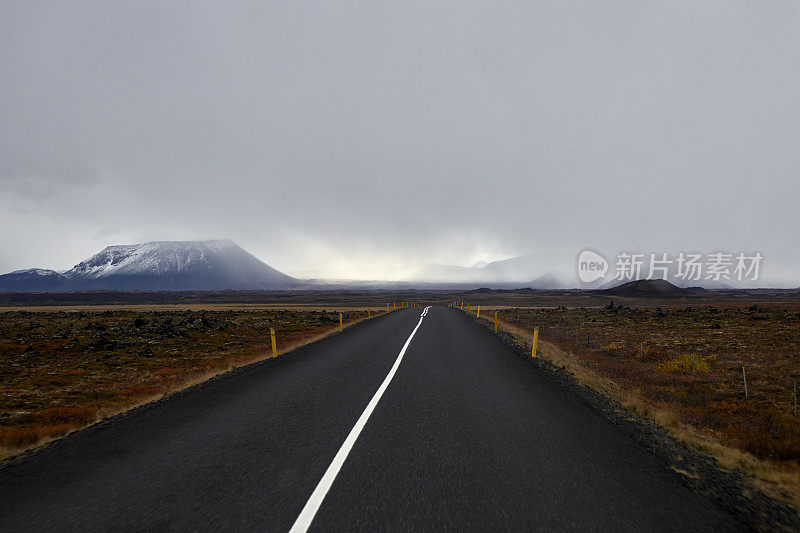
306, 516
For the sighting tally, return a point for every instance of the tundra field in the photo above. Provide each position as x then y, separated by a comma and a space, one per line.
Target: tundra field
60, 371
691, 361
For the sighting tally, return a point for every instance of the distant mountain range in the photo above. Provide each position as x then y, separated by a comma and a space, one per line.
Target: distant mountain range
551, 272
520, 270
169, 265
222, 264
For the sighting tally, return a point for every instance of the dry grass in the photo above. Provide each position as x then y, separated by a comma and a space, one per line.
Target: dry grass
682, 369
60, 371
206, 306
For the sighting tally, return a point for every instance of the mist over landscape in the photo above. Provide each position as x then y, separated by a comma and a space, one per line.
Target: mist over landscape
399, 266
359, 142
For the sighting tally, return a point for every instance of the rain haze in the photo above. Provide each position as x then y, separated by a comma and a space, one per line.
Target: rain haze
354, 140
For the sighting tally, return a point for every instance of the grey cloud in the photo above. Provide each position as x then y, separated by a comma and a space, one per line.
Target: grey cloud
359, 137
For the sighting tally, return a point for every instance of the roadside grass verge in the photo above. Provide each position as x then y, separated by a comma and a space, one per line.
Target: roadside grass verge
62, 371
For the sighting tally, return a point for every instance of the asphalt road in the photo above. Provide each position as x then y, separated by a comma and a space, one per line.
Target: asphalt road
466, 435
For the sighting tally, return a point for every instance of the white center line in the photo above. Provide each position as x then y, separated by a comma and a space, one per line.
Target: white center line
306, 516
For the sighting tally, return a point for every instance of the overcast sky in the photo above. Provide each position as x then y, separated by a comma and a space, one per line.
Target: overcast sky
355, 137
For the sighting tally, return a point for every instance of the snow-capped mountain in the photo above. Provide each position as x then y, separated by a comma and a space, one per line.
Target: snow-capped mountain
168, 265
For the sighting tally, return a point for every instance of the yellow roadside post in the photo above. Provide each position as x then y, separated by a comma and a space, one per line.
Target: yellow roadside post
274, 347
340, 322
495, 321
479, 312
535, 340
387, 307
369, 313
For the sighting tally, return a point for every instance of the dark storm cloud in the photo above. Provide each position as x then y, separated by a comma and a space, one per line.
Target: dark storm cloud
356, 138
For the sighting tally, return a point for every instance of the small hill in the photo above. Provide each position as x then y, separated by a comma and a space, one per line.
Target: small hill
554, 280
646, 288
32, 280
482, 290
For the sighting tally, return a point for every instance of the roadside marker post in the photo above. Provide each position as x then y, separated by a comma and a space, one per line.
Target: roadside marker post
479, 312
369, 313
495, 321
387, 307
340, 322
535, 341
274, 347
744, 378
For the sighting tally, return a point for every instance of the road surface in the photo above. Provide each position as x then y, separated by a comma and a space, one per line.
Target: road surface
357, 433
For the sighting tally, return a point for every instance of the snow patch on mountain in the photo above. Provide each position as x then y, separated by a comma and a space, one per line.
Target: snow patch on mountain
153, 258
